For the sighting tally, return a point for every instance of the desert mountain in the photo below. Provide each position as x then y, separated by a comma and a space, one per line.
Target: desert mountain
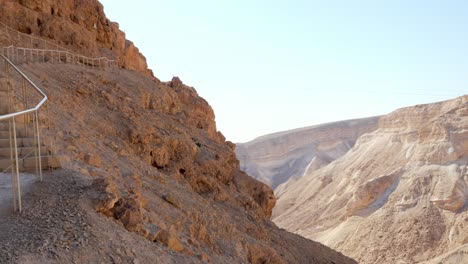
146, 177
281, 158
398, 196
78, 25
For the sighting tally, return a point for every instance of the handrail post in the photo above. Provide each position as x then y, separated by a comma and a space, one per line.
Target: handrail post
12, 164
23, 85
35, 145
10, 133
39, 159
18, 184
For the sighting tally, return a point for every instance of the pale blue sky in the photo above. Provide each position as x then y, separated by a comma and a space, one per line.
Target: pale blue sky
267, 66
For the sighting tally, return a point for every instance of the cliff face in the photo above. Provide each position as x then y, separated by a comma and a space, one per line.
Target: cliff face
78, 25
280, 159
161, 169
400, 194
158, 166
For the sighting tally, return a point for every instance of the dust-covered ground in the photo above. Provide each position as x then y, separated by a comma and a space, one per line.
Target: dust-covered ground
147, 178
59, 225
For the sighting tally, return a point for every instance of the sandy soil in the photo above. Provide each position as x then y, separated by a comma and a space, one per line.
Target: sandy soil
58, 225
6, 203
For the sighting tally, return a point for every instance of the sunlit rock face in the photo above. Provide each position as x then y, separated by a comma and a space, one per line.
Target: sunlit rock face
80, 26
156, 167
398, 196
280, 159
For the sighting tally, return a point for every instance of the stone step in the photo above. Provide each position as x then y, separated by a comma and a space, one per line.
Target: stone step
5, 134
29, 164
21, 142
19, 125
22, 152
4, 105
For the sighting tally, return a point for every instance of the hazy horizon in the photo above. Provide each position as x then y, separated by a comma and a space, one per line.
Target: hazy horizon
270, 66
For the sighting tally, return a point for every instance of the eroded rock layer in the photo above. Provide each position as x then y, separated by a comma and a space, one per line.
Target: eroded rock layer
280, 159
398, 196
159, 168
78, 25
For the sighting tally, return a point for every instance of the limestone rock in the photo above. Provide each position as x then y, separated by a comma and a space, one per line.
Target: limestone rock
168, 176
108, 195
371, 191
281, 158
169, 239
128, 211
398, 196
80, 26
93, 160
160, 167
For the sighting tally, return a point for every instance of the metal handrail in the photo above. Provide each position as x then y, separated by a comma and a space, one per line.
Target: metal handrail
59, 48
11, 117
3, 25
23, 157
44, 99
93, 61
59, 51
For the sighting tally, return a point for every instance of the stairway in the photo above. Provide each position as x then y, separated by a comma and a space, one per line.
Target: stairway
26, 141
25, 109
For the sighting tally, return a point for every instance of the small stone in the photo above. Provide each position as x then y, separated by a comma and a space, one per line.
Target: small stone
93, 160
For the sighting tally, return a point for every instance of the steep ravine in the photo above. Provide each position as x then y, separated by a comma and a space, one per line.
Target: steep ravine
398, 196
156, 165
162, 170
282, 158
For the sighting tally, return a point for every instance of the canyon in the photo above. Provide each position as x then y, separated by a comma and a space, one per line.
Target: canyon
399, 195
145, 176
282, 158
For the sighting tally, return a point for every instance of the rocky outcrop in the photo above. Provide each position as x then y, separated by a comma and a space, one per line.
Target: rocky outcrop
162, 170
372, 191
399, 195
161, 173
281, 158
78, 25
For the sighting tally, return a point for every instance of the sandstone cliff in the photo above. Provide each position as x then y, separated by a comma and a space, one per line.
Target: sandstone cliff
281, 158
78, 25
398, 196
159, 168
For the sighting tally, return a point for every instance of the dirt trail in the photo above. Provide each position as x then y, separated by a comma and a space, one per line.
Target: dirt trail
6, 204
58, 225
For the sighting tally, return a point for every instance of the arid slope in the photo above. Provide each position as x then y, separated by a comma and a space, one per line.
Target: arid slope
156, 167
280, 159
162, 170
398, 196
78, 25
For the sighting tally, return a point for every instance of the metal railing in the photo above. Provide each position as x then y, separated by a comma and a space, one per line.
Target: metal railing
26, 48
22, 44
27, 40
21, 55
21, 99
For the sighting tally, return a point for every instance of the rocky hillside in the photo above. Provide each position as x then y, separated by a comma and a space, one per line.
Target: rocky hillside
398, 196
142, 153
281, 158
79, 25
